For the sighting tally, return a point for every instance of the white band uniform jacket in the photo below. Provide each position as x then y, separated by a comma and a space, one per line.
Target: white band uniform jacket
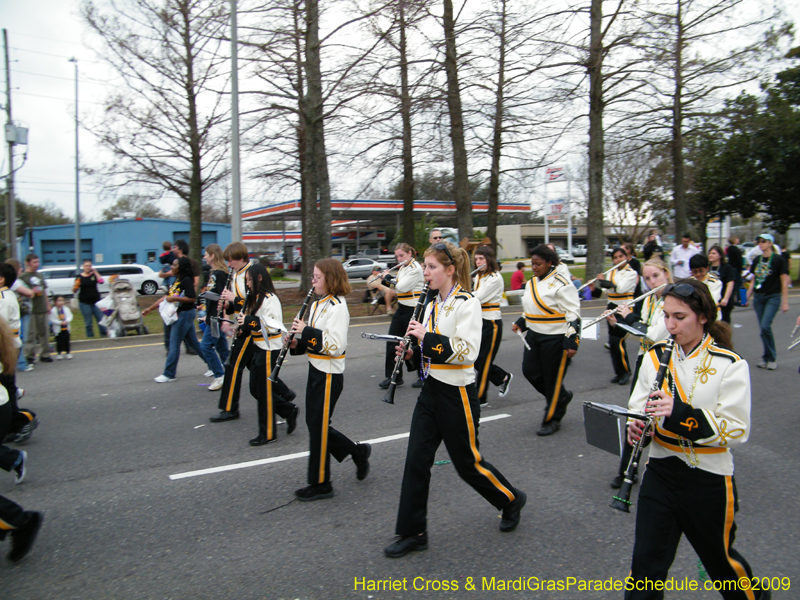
653, 317
325, 335
716, 418
549, 305
488, 289
714, 285
623, 284
270, 309
453, 345
408, 284
239, 289
9, 310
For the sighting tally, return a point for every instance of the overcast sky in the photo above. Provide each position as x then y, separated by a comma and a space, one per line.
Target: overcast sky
42, 36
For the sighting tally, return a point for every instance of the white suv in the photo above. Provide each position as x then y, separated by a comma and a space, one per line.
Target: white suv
60, 279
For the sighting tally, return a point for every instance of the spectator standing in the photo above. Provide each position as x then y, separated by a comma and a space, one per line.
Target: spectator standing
736, 262
726, 274
88, 295
24, 296
166, 259
60, 318
770, 291
518, 277
679, 258
652, 246
37, 336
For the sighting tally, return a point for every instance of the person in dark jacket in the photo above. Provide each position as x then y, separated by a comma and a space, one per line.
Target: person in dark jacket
88, 295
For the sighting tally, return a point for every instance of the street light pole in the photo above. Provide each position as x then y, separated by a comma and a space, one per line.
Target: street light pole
77, 176
236, 217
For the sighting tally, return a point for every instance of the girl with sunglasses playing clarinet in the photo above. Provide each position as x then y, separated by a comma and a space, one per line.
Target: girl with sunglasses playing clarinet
447, 408
272, 398
488, 288
702, 410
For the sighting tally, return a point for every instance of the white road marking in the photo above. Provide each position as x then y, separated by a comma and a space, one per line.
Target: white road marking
285, 457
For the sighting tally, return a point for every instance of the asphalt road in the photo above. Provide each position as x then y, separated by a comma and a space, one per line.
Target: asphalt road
114, 466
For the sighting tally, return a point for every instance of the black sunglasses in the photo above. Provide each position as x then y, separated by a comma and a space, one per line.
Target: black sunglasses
442, 247
683, 290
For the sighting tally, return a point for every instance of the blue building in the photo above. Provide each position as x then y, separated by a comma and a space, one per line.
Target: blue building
114, 242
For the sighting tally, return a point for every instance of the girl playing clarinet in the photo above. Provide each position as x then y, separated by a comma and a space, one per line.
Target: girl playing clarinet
272, 398
702, 411
324, 339
447, 408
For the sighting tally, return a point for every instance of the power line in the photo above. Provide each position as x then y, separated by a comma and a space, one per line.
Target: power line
61, 99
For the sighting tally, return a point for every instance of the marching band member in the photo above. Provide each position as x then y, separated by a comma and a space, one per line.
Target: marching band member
447, 408
324, 338
700, 271
621, 287
262, 304
650, 312
488, 285
552, 319
407, 285
702, 411
238, 258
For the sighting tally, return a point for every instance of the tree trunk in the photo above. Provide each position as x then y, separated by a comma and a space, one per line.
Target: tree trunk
405, 112
461, 190
678, 179
497, 140
594, 221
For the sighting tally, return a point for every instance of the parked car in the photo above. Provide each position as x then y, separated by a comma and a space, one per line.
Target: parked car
565, 256
579, 250
361, 267
143, 278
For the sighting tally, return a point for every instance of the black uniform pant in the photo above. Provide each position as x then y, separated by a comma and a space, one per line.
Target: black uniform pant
398, 326
485, 369
12, 515
449, 414
545, 366
270, 397
240, 357
62, 341
619, 353
675, 499
19, 416
322, 392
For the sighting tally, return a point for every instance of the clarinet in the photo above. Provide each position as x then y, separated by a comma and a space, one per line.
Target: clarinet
221, 303
389, 397
235, 329
274, 376
623, 501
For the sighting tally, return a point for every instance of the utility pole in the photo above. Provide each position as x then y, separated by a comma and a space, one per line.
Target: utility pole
236, 217
77, 177
11, 213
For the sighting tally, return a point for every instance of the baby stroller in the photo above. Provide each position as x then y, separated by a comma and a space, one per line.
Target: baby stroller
126, 316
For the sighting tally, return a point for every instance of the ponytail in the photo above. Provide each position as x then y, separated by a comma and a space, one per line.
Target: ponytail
461, 275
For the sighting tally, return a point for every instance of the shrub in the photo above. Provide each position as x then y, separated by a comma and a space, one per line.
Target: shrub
276, 273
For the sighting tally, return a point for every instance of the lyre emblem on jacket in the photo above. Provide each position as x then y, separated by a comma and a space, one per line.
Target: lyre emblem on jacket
312, 342
438, 348
690, 423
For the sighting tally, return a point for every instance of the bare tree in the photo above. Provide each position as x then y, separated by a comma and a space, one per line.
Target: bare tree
145, 207
164, 124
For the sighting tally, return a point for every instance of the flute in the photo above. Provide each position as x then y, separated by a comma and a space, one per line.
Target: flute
274, 376
524, 341
382, 338
397, 266
623, 500
616, 309
617, 266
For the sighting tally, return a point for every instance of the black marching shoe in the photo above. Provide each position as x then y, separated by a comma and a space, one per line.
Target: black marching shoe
617, 482
511, 512
45, 359
625, 378
384, 385
22, 537
406, 544
616, 379
225, 415
361, 458
417, 384
549, 428
504, 386
291, 420
262, 441
317, 491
